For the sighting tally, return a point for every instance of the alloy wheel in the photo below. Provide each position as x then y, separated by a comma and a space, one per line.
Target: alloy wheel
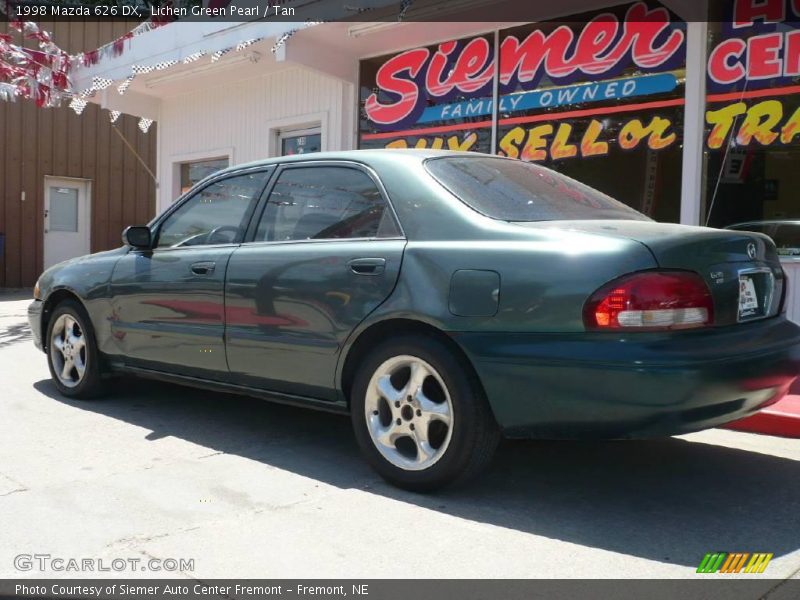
409, 413
68, 350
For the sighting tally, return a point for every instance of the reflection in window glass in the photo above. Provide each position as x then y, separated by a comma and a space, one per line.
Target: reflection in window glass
634, 157
751, 136
193, 172
323, 203
63, 211
609, 126
516, 191
611, 119
301, 144
215, 215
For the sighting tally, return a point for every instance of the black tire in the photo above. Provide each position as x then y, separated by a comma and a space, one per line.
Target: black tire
91, 384
474, 435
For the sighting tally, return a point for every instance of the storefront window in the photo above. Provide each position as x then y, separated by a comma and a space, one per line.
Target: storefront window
192, 172
613, 123
753, 115
437, 97
598, 97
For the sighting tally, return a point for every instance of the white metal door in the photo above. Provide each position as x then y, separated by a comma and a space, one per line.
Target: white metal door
67, 212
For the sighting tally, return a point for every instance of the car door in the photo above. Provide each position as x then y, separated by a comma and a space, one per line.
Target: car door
168, 302
325, 253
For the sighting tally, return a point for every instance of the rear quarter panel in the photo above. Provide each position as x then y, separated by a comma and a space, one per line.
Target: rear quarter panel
545, 275
719, 256
544, 280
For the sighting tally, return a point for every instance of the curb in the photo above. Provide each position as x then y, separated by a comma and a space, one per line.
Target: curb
781, 419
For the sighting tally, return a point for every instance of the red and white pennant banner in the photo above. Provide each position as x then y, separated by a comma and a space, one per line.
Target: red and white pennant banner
41, 75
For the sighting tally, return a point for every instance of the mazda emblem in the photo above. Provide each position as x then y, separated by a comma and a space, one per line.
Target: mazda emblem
751, 250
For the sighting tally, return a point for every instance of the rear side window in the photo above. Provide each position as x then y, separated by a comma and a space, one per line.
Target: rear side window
325, 203
513, 190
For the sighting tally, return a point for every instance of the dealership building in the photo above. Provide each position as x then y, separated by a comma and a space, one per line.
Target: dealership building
688, 120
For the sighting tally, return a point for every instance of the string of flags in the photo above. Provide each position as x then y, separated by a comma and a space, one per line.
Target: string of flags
43, 74
78, 104
144, 124
404, 6
279, 43
116, 47
193, 57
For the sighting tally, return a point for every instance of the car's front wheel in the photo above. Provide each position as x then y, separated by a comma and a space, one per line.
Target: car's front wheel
72, 354
420, 415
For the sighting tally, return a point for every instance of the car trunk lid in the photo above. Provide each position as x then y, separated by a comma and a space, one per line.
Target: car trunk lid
742, 269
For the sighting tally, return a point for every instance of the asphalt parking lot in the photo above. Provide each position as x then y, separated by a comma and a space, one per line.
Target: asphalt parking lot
251, 489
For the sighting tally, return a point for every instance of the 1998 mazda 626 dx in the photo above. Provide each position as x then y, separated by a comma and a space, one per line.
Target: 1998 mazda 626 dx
442, 299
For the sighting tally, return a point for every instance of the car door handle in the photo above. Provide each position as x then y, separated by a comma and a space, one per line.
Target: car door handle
367, 266
203, 268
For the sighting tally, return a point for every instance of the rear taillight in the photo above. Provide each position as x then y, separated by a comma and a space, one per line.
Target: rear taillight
651, 300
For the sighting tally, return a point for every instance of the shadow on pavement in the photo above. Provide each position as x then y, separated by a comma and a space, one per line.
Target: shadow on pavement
14, 334
667, 500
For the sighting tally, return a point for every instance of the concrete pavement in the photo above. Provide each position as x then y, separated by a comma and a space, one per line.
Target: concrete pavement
251, 489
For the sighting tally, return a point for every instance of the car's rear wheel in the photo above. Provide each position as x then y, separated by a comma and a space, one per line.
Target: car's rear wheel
420, 415
72, 354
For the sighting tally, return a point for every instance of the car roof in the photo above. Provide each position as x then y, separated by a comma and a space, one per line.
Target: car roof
364, 156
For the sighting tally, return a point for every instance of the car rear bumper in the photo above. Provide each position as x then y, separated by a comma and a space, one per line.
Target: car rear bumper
636, 385
35, 322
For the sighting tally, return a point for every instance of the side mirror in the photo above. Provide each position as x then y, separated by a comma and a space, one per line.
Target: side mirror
137, 236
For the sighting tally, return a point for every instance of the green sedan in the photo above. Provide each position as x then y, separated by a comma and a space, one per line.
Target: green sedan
442, 299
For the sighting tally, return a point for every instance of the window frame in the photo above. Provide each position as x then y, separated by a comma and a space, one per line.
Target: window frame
258, 213
157, 224
285, 133
180, 164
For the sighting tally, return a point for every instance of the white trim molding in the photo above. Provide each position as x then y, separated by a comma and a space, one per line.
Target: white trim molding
299, 123
692, 181
176, 160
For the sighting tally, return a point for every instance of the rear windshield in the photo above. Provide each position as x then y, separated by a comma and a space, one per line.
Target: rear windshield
514, 190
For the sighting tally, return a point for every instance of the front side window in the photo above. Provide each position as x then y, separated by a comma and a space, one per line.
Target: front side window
511, 190
325, 203
217, 214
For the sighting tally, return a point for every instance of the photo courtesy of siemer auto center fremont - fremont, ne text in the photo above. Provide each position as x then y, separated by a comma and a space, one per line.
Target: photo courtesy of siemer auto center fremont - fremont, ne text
391, 298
